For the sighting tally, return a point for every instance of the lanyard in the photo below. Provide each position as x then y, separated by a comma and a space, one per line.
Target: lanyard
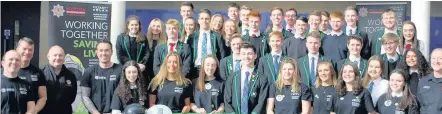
305, 68
212, 40
380, 34
235, 86
127, 51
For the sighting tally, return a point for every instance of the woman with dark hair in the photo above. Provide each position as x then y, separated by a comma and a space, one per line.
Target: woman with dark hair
374, 80
208, 88
324, 89
131, 89
169, 87
408, 39
351, 97
133, 44
398, 99
416, 66
288, 95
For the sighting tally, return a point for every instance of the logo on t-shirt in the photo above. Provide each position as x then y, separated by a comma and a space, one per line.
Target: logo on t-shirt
23, 90
34, 78
112, 77
100, 77
178, 90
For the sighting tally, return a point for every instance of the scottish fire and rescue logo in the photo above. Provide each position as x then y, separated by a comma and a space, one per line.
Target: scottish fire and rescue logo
58, 10
363, 12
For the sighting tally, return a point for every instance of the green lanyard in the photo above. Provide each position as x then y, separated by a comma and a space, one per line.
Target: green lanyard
235, 86
178, 51
305, 68
362, 69
213, 41
127, 50
380, 34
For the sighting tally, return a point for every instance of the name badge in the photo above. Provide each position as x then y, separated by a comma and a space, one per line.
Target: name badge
68, 82
426, 87
178, 90
22, 77
356, 102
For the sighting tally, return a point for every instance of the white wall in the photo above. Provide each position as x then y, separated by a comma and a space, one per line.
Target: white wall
44, 23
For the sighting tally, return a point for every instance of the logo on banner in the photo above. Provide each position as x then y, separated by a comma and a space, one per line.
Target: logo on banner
75, 11
58, 10
100, 8
363, 12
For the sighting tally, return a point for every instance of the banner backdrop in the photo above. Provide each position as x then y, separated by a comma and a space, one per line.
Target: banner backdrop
77, 28
370, 16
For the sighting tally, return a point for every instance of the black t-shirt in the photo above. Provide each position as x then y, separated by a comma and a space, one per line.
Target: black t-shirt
15, 94
103, 83
388, 106
61, 90
119, 104
322, 99
212, 97
353, 104
34, 76
288, 101
172, 95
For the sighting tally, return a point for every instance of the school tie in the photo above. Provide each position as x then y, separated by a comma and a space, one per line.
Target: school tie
370, 86
312, 71
204, 45
238, 65
254, 36
391, 60
171, 46
290, 30
276, 63
356, 63
408, 47
351, 32
245, 95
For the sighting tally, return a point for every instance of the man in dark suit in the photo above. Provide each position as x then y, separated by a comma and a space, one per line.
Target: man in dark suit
205, 42
173, 45
351, 19
231, 63
269, 64
308, 63
246, 90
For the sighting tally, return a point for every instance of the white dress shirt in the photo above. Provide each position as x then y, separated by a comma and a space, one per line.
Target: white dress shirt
395, 57
200, 47
333, 33
353, 30
380, 87
316, 56
354, 58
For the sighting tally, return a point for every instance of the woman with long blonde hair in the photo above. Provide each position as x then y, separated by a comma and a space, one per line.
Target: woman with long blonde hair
216, 23
230, 28
208, 88
169, 87
288, 95
190, 26
155, 33
324, 89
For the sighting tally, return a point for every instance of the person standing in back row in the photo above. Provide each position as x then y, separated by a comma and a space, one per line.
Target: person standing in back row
334, 45
30, 73
351, 19
389, 20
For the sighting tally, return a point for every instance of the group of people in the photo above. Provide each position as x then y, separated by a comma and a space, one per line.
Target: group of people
210, 65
